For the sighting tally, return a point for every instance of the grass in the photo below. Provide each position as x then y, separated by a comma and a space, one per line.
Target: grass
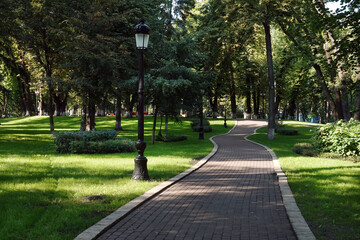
327, 191
43, 194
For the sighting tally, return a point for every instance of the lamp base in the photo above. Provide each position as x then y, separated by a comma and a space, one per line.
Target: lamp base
140, 170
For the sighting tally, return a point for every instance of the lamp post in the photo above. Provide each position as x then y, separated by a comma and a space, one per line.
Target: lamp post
201, 127
225, 125
142, 32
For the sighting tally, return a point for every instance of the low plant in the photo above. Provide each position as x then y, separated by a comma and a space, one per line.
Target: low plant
284, 131
195, 125
305, 149
340, 137
109, 146
63, 139
170, 138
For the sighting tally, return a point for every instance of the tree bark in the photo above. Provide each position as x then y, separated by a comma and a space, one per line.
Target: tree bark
26, 81
60, 104
129, 104
215, 107
325, 90
248, 110
118, 111
166, 123
256, 101
154, 125
83, 114
357, 95
233, 96
271, 122
92, 112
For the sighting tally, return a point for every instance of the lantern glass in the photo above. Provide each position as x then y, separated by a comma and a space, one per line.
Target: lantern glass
142, 40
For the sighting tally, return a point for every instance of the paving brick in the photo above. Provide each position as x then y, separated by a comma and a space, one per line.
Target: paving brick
235, 195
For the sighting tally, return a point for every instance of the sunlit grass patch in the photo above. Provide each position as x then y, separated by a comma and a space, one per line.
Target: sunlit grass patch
326, 190
45, 195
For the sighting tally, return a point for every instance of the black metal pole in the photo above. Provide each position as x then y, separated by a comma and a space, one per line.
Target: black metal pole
201, 128
225, 125
140, 170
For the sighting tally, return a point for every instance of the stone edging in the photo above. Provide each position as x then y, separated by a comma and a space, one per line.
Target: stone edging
104, 224
297, 220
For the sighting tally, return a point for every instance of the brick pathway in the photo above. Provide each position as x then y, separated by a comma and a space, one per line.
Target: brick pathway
235, 195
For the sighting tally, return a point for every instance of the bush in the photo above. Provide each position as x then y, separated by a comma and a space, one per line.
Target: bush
305, 149
284, 131
63, 139
341, 137
108, 146
170, 138
195, 125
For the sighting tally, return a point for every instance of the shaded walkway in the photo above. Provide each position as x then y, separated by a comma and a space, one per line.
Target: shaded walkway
235, 195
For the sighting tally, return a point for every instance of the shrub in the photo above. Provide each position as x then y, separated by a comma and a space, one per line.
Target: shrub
63, 139
195, 125
305, 149
341, 137
108, 146
284, 131
170, 138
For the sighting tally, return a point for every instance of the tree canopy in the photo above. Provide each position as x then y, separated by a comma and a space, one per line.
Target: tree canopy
292, 59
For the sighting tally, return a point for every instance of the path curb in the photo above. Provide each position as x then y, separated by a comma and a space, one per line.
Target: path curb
301, 228
104, 224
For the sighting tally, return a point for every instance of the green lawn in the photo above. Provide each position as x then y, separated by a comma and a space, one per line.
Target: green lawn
42, 192
326, 190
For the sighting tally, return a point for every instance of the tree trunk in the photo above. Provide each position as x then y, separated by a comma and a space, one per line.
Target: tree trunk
5, 102
320, 76
161, 122
248, 110
325, 90
341, 95
60, 104
51, 106
118, 111
83, 114
129, 104
166, 123
41, 104
233, 97
256, 101
214, 106
357, 95
92, 112
154, 125
26, 80
271, 122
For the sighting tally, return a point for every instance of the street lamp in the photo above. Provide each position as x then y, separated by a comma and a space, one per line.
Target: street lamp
201, 127
142, 32
225, 125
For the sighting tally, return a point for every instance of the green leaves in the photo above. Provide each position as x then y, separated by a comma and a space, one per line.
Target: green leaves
341, 137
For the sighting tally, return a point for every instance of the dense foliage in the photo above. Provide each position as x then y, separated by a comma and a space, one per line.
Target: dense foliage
340, 137
195, 125
170, 138
305, 149
109, 146
63, 139
292, 59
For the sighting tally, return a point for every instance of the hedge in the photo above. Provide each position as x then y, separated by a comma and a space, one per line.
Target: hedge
195, 125
170, 138
108, 146
63, 139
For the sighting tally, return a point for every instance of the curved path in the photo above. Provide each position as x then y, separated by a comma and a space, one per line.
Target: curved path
235, 195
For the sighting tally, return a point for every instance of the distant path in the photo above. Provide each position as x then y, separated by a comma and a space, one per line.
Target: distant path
235, 195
